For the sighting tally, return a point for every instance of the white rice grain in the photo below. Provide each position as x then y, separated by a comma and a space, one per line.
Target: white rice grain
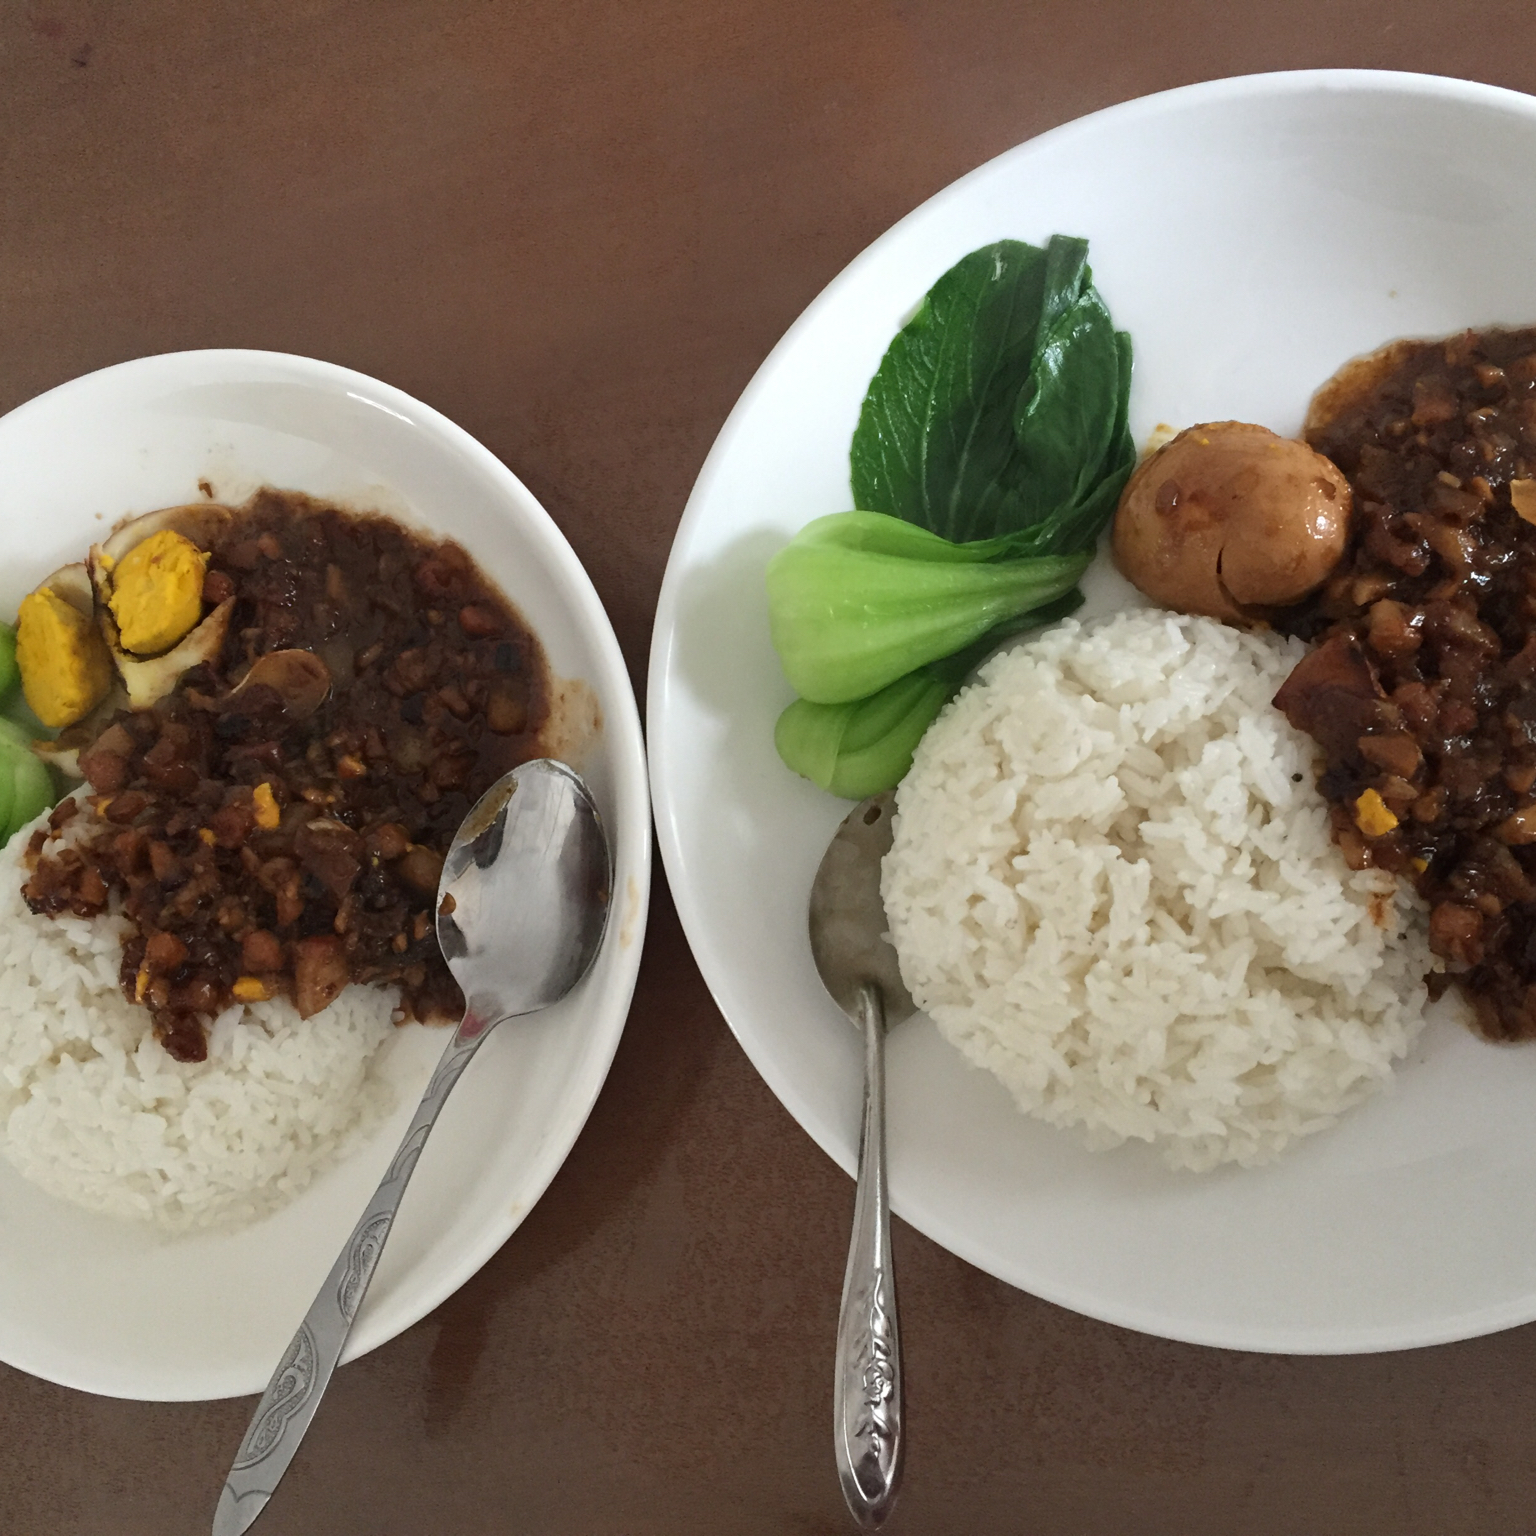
1113, 886
95, 1111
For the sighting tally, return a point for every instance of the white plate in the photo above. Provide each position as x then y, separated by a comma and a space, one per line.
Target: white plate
113, 1308
1251, 235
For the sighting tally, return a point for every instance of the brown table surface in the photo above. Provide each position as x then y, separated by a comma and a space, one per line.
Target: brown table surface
576, 226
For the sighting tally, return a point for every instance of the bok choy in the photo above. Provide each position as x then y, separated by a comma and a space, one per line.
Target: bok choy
990, 451
859, 599
849, 748
26, 786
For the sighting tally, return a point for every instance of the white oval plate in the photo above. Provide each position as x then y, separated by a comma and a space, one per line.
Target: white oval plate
113, 1308
1251, 234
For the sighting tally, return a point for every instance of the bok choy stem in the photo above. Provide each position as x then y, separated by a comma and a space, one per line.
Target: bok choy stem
858, 748
859, 600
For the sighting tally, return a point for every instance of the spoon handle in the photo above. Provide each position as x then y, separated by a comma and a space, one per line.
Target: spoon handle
292, 1396
866, 1394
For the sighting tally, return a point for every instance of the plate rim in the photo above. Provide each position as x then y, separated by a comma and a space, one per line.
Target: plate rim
668, 812
632, 841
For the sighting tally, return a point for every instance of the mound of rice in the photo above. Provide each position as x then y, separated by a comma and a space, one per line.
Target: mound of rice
93, 1110
1113, 886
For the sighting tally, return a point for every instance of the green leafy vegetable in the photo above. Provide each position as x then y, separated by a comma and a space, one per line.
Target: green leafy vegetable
935, 436
1000, 406
866, 745
991, 450
1078, 525
857, 600
9, 675
26, 786
7, 801
1066, 413
33, 786
859, 748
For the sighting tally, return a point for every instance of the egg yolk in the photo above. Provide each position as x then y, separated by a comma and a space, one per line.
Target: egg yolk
64, 664
157, 592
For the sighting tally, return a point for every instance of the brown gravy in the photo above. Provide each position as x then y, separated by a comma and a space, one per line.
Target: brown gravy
1422, 691
259, 855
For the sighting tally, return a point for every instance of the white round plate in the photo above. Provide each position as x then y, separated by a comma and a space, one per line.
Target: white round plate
112, 1307
1251, 235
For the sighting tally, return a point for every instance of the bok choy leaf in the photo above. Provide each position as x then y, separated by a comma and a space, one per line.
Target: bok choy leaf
990, 451
1000, 406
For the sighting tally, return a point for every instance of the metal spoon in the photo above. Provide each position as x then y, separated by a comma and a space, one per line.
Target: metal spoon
858, 967
521, 909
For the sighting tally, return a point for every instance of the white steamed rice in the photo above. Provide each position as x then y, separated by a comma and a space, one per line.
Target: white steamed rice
1113, 886
95, 1111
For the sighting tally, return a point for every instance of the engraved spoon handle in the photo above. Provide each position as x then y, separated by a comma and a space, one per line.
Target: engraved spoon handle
299, 1382
866, 1394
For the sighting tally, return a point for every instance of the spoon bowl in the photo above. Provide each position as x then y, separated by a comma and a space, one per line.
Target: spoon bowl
848, 920
514, 944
